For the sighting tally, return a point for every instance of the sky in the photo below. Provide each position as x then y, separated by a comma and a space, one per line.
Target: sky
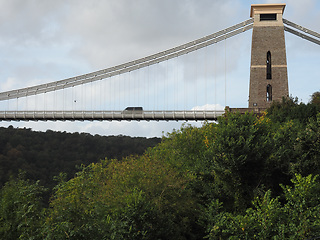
45, 41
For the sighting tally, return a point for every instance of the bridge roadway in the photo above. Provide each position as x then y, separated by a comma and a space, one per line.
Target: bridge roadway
110, 115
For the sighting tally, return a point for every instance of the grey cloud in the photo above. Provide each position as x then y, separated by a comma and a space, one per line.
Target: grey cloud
30, 21
115, 31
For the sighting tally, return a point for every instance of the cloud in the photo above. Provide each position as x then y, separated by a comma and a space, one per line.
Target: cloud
116, 31
29, 22
209, 107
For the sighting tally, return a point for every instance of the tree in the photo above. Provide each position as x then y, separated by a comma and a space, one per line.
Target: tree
308, 148
21, 211
297, 218
315, 99
238, 154
291, 109
136, 198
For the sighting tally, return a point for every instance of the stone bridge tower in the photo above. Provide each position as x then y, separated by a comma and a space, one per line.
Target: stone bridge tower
268, 72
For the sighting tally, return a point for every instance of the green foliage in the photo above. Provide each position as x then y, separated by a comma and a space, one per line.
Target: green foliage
283, 155
315, 99
238, 153
297, 218
133, 199
290, 109
243, 154
257, 223
140, 219
182, 149
21, 212
308, 147
302, 207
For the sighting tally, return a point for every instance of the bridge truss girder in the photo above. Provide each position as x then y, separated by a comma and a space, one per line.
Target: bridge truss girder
110, 115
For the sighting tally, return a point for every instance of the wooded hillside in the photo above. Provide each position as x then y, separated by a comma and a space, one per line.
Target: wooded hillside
43, 155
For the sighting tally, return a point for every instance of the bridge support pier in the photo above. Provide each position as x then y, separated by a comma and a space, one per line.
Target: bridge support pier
268, 72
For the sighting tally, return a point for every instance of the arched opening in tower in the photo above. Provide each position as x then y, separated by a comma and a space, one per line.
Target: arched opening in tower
269, 76
269, 93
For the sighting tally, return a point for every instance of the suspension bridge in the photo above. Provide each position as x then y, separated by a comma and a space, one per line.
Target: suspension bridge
152, 88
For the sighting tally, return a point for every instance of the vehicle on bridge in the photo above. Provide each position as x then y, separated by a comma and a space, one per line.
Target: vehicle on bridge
131, 110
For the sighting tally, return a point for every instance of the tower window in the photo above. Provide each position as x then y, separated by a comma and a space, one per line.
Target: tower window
269, 93
268, 17
269, 76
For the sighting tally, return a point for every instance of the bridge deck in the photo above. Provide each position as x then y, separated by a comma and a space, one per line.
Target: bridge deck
109, 115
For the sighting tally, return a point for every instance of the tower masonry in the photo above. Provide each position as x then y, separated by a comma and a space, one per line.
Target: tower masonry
268, 71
